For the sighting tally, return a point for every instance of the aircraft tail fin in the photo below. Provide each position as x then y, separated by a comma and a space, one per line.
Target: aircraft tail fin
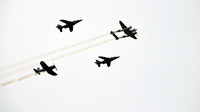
55, 66
59, 27
36, 71
98, 63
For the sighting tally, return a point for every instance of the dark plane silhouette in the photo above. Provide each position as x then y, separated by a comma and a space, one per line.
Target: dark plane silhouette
127, 30
106, 60
45, 67
68, 24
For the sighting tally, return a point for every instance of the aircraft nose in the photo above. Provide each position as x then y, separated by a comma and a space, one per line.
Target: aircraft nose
117, 57
80, 20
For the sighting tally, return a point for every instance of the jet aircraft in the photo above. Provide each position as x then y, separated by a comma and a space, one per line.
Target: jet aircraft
106, 60
127, 30
68, 24
45, 67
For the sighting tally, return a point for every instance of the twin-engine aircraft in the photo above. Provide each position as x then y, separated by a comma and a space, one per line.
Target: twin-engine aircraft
68, 24
106, 60
127, 30
45, 67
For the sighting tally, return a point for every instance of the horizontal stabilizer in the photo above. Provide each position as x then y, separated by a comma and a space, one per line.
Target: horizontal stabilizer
114, 35
59, 27
98, 63
36, 71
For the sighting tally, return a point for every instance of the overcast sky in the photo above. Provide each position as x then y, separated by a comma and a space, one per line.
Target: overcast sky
158, 72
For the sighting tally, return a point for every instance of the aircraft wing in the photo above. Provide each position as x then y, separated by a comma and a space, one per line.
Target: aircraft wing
65, 21
108, 64
47, 68
71, 28
122, 25
50, 71
131, 34
104, 58
44, 65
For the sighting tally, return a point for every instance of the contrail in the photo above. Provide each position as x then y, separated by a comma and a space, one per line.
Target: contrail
56, 58
51, 52
17, 79
79, 50
19, 70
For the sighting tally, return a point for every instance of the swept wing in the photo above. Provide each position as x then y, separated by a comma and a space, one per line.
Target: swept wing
65, 21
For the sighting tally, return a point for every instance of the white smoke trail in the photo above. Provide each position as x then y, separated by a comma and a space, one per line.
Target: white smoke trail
79, 50
55, 58
50, 53
17, 79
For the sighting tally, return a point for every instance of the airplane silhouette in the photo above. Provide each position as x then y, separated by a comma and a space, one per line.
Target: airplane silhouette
68, 24
106, 60
45, 67
127, 30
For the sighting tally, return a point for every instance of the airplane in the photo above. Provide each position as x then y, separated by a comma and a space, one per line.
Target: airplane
106, 60
45, 67
68, 24
127, 30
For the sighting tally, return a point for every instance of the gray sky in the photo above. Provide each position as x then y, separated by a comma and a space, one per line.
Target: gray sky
159, 72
